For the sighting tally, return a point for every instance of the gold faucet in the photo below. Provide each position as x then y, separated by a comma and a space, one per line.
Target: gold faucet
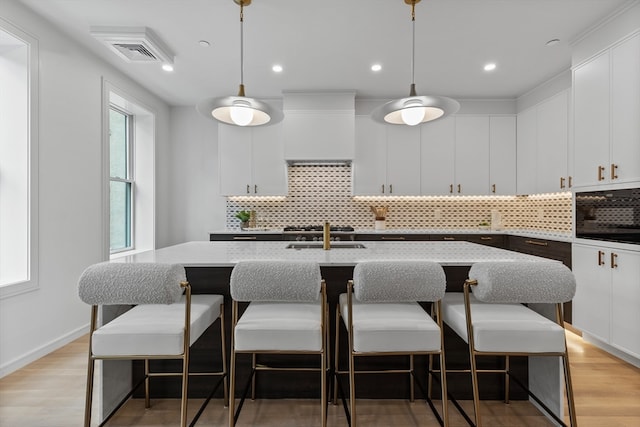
326, 232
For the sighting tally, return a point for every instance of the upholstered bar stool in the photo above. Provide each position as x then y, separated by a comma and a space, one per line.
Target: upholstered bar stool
489, 316
287, 314
165, 321
383, 318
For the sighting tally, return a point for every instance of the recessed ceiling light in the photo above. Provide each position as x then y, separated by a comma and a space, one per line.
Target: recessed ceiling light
204, 43
277, 68
553, 42
490, 66
167, 67
376, 67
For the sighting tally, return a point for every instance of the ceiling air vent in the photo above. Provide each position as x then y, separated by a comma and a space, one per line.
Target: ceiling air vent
134, 44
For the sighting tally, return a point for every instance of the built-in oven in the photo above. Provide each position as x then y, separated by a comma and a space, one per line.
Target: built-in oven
611, 215
313, 233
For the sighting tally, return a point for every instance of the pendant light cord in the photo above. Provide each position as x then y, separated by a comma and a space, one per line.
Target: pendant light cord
412, 91
241, 90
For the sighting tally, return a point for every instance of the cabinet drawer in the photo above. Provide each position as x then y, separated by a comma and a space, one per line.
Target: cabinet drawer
495, 240
244, 237
392, 237
560, 251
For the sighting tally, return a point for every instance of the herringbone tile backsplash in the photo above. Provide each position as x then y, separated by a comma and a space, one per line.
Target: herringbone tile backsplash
323, 192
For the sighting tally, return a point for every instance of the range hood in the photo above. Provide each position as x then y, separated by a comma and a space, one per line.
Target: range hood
319, 126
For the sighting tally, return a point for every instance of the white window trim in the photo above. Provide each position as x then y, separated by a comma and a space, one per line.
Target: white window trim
143, 215
32, 283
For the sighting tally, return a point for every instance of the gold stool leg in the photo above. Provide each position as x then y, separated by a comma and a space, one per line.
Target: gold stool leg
336, 356
506, 379
147, 400
223, 343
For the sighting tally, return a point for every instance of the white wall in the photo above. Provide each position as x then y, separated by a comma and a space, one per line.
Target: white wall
70, 188
197, 207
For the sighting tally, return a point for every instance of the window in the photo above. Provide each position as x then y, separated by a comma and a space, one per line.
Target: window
18, 161
121, 183
129, 179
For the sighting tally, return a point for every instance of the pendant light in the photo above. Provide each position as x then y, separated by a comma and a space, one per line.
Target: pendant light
240, 110
415, 109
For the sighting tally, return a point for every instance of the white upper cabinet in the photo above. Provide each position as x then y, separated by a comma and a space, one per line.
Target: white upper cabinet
387, 159
251, 161
502, 155
606, 107
553, 123
472, 155
542, 157
438, 156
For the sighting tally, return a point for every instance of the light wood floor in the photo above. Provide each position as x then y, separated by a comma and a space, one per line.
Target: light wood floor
50, 393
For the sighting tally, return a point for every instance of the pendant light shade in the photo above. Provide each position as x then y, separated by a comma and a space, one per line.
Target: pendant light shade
414, 109
240, 110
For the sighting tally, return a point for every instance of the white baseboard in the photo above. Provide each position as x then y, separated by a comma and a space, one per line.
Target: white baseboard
41, 351
611, 350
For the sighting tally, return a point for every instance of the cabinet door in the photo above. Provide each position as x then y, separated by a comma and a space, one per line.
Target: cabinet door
527, 141
625, 300
369, 164
234, 157
403, 160
591, 120
625, 114
472, 155
552, 145
437, 152
502, 155
269, 168
592, 302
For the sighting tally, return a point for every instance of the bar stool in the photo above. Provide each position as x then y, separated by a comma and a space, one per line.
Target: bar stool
489, 316
163, 324
287, 314
383, 318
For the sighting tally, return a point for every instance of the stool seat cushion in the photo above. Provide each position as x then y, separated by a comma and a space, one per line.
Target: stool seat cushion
391, 327
508, 328
156, 329
280, 326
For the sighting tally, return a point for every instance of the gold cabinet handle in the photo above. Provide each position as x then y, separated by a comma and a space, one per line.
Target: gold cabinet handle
493, 188
448, 238
614, 260
614, 171
451, 188
570, 181
486, 238
459, 188
600, 173
255, 188
392, 238
390, 188
248, 189
600, 258
533, 242
244, 237
561, 182
382, 188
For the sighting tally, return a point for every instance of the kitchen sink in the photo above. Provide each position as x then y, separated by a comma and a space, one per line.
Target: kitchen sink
318, 245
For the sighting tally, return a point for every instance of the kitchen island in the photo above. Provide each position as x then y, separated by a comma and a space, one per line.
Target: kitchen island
209, 265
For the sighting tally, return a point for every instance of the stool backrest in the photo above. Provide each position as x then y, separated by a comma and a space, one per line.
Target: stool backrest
138, 283
522, 282
275, 281
398, 281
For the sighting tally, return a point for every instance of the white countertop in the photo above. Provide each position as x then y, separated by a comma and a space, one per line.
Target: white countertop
228, 253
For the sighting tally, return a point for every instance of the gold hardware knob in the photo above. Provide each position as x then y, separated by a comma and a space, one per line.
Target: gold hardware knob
600, 258
533, 242
459, 188
600, 173
614, 171
392, 238
493, 188
448, 238
486, 238
390, 188
255, 188
561, 182
382, 188
614, 260
570, 181
248, 189
450, 188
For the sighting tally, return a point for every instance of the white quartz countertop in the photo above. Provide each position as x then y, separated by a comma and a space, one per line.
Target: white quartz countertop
228, 253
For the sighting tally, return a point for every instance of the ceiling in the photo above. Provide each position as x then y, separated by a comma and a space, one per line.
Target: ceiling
330, 45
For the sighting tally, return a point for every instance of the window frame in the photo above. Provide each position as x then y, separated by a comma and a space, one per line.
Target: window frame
129, 179
31, 283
